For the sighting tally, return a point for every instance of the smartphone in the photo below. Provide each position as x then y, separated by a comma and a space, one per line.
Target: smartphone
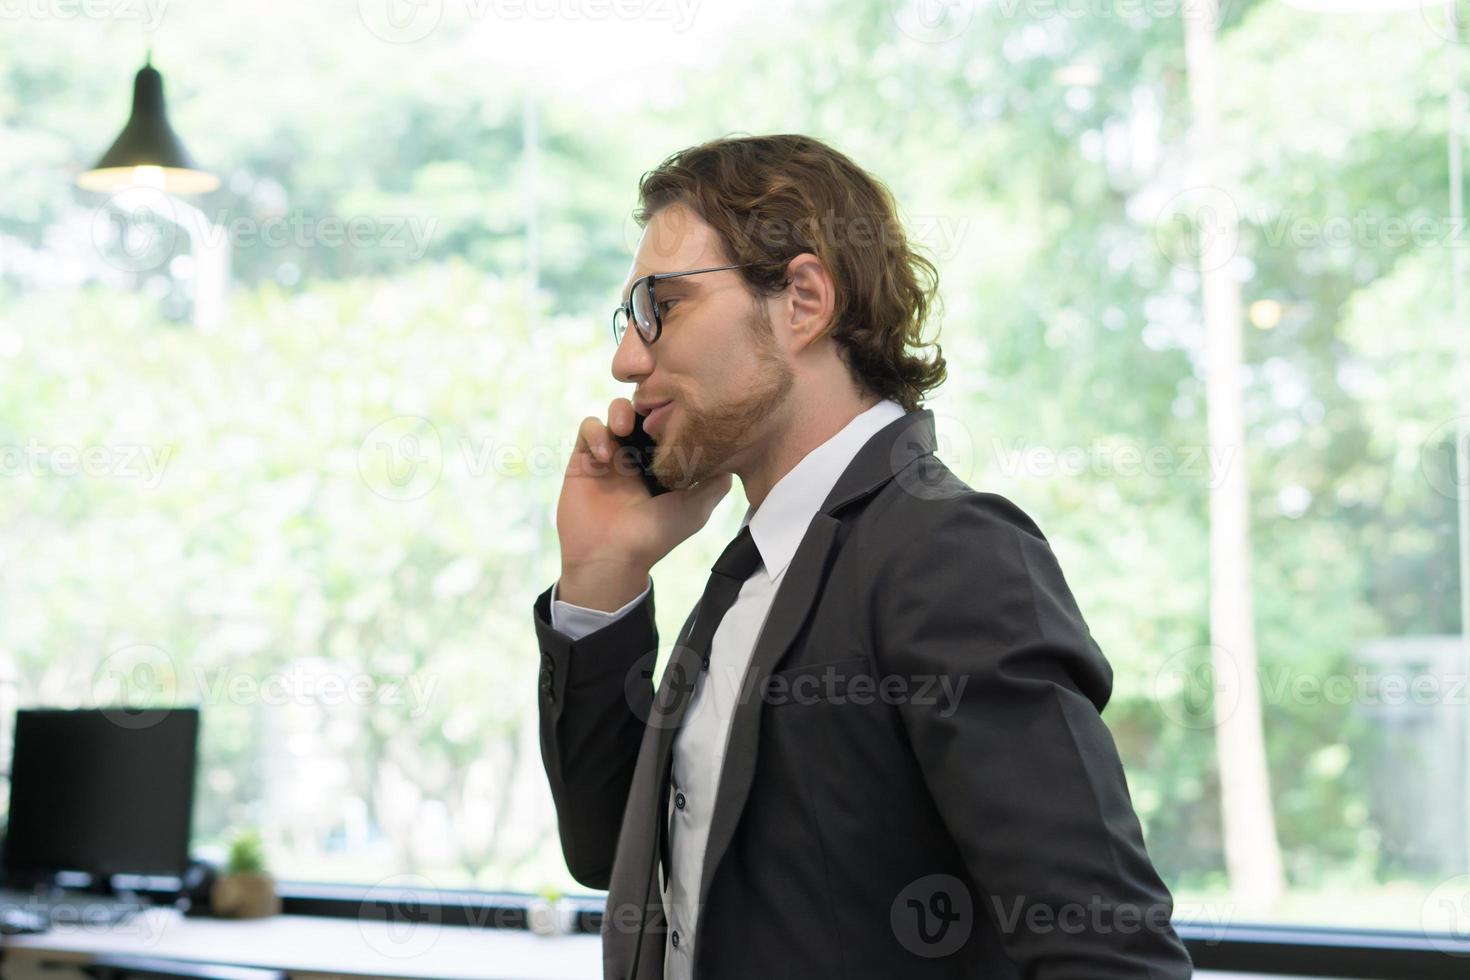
641, 444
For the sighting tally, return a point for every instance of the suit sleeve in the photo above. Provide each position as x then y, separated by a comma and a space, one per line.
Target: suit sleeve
1018, 761
593, 702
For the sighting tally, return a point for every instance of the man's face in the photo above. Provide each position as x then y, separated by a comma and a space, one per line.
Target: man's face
717, 357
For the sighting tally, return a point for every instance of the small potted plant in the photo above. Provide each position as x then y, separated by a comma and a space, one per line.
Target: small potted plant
549, 914
245, 890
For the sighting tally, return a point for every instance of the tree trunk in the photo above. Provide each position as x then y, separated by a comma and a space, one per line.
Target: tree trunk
1252, 852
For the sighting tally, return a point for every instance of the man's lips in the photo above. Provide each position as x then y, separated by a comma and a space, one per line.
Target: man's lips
656, 418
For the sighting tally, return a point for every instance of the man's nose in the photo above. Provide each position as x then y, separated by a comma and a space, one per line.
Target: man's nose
633, 358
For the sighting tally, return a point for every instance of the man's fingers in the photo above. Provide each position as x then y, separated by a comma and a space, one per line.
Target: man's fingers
593, 439
620, 416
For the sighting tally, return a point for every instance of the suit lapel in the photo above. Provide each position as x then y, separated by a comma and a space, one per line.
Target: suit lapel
888, 454
793, 601
633, 883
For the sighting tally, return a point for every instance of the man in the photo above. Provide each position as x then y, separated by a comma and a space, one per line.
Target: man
876, 750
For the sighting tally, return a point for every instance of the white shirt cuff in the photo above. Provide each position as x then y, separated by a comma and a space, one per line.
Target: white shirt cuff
577, 621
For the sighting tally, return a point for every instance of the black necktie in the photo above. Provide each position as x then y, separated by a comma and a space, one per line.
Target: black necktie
737, 563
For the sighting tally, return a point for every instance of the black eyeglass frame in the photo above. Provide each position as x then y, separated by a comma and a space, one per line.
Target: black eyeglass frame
646, 282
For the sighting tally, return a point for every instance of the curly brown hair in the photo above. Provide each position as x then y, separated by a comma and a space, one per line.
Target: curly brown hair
771, 198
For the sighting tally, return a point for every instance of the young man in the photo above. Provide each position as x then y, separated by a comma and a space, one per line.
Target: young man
876, 750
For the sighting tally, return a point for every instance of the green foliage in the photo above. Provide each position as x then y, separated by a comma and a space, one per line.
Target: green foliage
247, 853
264, 528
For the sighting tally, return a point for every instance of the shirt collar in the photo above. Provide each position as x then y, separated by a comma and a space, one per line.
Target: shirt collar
782, 519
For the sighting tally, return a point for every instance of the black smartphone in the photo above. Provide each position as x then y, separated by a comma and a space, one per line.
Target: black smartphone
641, 444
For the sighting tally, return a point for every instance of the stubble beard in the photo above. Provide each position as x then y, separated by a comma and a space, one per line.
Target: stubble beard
709, 437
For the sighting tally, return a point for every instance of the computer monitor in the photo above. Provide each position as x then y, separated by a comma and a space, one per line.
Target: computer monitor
101, 790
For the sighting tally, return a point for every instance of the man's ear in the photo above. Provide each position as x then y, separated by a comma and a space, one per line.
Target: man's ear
812, 298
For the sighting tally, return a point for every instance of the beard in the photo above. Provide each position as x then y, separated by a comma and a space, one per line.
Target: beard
709, 437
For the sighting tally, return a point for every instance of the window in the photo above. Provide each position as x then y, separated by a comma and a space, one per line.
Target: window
298, 463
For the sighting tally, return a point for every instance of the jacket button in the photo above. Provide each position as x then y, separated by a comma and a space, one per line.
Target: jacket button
679, 800
675, 938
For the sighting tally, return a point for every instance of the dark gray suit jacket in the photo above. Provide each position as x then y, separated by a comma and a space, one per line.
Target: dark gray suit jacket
918, 781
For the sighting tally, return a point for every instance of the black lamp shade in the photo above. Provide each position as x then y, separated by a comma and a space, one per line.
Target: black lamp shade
148, 141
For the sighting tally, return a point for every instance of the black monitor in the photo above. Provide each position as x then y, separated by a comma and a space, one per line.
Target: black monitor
101, 790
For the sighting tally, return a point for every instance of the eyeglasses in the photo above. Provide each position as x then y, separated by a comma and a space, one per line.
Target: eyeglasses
642, 307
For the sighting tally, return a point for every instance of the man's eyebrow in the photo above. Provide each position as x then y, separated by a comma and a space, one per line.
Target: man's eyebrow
683, 284
686, 285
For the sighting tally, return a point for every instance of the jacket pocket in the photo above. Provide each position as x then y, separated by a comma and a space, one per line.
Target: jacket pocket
829, 682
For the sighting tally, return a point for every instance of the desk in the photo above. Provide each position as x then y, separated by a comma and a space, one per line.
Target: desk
312, 947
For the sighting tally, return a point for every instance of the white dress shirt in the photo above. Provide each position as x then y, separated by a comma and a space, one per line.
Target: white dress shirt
699, 745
